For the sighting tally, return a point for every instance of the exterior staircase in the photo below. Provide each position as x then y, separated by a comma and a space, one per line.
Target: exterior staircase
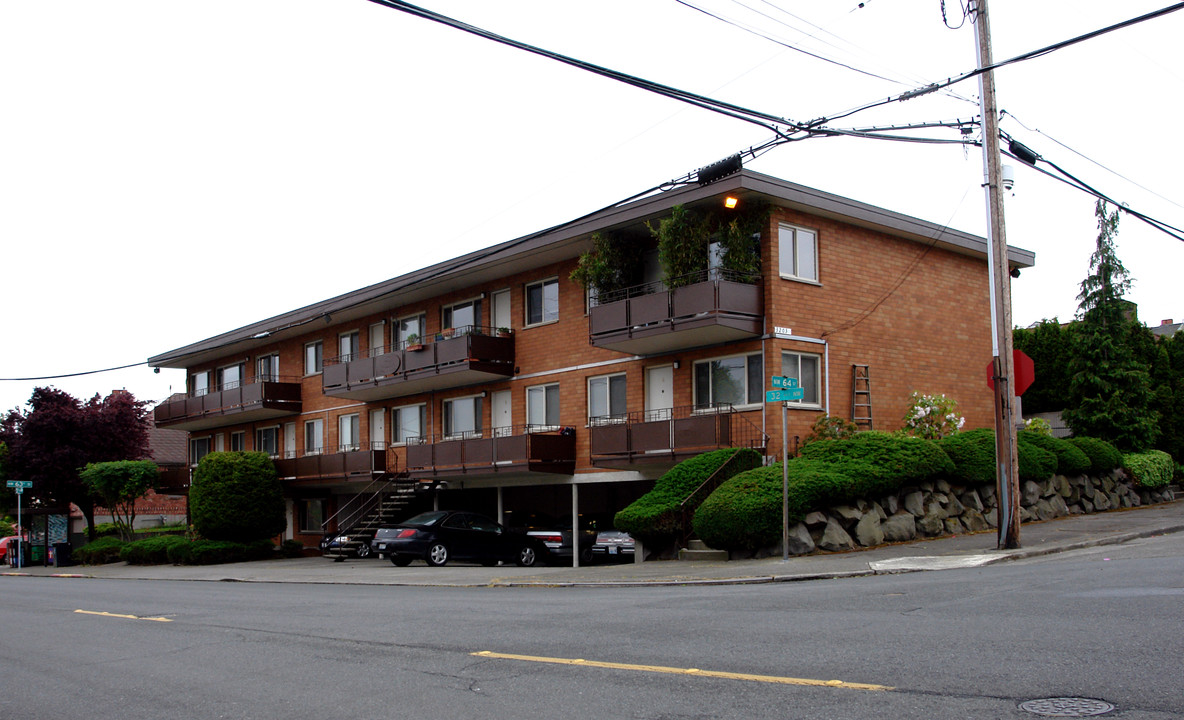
697, 550
382, 502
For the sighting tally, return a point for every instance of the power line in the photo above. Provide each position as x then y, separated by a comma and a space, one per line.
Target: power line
70, 375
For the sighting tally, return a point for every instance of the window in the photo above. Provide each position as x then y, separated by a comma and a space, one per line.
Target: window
805, 369
462, 417
738, 380
463, 316
799, 253
409, 423
542, 407
231, 376
199, 383
268, 369
542, 302
377, 338
312, 357
350, 432
314, 437
311, 514
219, 442
267, 440
348, 347
409, 331
238, 441
606, 396
198, 448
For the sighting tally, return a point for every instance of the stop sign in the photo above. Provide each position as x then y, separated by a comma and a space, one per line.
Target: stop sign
1025, 372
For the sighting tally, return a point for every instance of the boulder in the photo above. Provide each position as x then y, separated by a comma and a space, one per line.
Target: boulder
931, 525
891, 504
1059, 508
1087, 506
879, 511
953, 526
914, 503
900, 527
955, 507
800, 542
1029, 493
1087, 488
835, 538
815, 519
972, 500
1108, 483
1043, 510
868, 531
1048, 488
1102, 502
846, 513
1064, 488
974, 520
942, 486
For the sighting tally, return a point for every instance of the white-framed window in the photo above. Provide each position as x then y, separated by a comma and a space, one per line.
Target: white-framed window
542, 301
738, 380
220, 442
798, 250
349, 346
409, 331
314, 436
238, 441
311, 514
198, 448
267, 440
349, 432
462, 316
313, 357
199, 383
377, 338
462, 416
542, 407
408, 423
267, 368
606, 396
806, 368
231, 376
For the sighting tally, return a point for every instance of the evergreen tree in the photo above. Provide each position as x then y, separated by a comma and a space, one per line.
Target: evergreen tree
1051, 348
1110, 389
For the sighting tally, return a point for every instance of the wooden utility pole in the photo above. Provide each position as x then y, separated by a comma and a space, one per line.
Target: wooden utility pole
1000, 280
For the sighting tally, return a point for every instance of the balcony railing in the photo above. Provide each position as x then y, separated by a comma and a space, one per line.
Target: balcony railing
345, 462
521, 448
659, 437
705, 308
258, 398
174, 480
462, 356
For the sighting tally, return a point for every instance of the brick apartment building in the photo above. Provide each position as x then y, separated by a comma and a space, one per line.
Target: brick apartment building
409, 388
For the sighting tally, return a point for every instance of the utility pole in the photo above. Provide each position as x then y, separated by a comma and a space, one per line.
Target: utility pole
1008, 485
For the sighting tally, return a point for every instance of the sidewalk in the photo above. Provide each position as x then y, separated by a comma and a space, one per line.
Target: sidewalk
1053, 536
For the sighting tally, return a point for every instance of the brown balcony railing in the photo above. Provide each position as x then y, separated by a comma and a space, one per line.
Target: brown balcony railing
349, 461
257, 398
705, 308
663, 436
461, 356
532, 448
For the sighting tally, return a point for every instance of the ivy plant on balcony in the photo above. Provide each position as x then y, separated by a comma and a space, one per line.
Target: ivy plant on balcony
685, 237
614, 263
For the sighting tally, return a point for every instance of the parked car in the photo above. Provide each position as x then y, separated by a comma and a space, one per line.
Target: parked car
556, 535
350, 542
613, 545
443, 535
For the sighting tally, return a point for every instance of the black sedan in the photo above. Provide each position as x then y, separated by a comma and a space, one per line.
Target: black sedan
443, 535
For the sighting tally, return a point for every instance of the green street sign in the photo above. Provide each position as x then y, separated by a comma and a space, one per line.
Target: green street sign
780, 381
784, 395
20, 483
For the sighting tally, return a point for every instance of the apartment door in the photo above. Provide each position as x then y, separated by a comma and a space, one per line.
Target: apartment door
290, 440
378, 429
659, 392
502, 416
376, 339
501, 309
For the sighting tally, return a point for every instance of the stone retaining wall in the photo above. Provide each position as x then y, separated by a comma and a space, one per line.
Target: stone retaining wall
939, 508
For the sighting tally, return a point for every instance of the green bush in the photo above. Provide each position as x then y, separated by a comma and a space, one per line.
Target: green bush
106, 529
1103, 457
6, 528
216, 552
655, 515
1071, 460
236, 496
151, 551
100, 552
879, 462
973, 455
1151, 469
292, 549
1035, 463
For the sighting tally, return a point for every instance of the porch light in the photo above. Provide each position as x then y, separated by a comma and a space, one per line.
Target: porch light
730, 202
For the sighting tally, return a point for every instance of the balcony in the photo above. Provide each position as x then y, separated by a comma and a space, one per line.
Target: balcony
348, 463
466, 356
663, 437
259, 398
524, 448
713, 307
174, 480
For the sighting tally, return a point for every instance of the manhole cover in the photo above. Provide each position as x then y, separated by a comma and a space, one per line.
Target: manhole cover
1067, 707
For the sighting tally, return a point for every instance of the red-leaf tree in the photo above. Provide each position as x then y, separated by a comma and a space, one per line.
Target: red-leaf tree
58, 436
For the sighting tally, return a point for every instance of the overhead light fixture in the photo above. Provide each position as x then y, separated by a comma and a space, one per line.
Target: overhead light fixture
730, 202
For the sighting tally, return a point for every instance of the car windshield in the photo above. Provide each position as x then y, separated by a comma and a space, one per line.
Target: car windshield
427, 518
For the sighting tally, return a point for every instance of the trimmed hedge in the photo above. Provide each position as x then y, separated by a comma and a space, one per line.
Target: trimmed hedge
1152, 469
151, 551
236, 496
1035, 463
1071, 460
654, 516
879, 462
973, 455
216, 552
1103, 457
100, 552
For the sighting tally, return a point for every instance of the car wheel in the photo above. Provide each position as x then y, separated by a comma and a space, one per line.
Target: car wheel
437, 554
527, 557
586, 556
364, 551
401, 560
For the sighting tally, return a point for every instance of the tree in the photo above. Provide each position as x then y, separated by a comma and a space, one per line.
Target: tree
59, 435
1051, 348
236, 496
119, 484
1109, 391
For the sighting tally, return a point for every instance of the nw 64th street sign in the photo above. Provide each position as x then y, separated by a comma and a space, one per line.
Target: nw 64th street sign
20, 483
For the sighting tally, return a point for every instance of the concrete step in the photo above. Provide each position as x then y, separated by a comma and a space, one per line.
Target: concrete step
698, 550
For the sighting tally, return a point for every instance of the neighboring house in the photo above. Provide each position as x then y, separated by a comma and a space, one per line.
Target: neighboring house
1166, 328
407, 389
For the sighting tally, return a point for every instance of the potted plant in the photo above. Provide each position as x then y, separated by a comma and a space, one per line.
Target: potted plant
446, 333
503, 332
413, 343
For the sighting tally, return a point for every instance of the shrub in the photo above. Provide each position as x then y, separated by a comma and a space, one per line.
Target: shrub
6, 528
1103, 457
101, 551
879, 462
973, 455
932, 416
1151, 469
106, 529
235, 496
292, 549
216, 552
1038, 425
829, 427
654, 516
152, 551
1035, 463
1070, 459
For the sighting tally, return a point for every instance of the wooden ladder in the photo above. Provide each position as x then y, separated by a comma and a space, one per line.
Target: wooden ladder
861, 396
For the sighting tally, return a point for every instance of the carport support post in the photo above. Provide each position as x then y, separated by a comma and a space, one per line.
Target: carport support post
501, 510
575, 524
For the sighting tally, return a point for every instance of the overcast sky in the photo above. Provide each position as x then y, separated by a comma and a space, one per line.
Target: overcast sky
170, 171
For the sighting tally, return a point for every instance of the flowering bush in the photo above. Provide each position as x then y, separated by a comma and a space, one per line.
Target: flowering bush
932, 417
1039, 426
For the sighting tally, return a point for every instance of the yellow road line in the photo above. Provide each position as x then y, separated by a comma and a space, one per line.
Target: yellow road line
125, 617
685, 671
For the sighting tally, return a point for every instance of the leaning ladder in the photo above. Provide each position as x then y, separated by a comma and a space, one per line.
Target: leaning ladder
861, 396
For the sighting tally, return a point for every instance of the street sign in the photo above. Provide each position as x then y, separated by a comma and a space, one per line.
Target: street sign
784, 395
20, 483
1025, 372
780, 381
19, 491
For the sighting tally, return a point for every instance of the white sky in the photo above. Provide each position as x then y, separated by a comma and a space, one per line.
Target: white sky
170, 171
